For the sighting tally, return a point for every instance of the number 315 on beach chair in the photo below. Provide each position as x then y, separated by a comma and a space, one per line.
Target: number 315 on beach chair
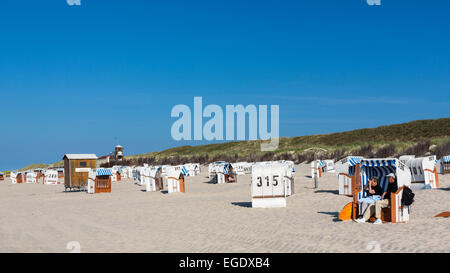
271, 184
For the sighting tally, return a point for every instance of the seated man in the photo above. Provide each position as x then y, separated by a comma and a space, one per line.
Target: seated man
373, 192
229, 175
383, 203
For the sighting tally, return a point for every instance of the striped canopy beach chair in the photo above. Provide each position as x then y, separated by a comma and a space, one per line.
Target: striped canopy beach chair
225, 174
100, 180
368, 168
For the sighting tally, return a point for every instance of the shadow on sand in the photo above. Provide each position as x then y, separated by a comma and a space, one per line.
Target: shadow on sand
328, 191
242, 204
331, 213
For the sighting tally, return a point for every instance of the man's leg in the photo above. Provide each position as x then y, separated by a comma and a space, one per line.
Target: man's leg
369, 211
379, 205
362, 208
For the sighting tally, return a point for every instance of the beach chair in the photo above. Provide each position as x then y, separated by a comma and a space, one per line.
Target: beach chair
289, 181
92, 176
192, 169
103, 180
39, 175
124, 173
329, 166
445, 164
405, 158
226, 174
315, 168
424, 170
149, 186
140, 176
318, 166
368, 168
153, 179
130, 172
13, 177
269, 187
345, 170
60, 173
175, 181
51, 178
213, 168
19, 179
2, 177
31, 177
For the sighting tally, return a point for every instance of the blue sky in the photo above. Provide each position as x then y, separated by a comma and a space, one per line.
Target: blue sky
79, 79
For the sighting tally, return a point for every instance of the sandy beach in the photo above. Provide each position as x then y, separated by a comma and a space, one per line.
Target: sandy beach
210, 218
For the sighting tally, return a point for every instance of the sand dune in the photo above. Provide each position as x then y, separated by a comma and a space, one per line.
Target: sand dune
210, 218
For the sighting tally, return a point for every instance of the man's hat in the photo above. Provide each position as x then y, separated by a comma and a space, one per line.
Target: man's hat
391, 175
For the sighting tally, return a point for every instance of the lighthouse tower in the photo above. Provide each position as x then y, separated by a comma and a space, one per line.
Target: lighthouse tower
118, 153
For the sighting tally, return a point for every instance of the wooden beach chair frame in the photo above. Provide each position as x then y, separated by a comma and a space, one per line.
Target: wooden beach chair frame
345, 180
103, 184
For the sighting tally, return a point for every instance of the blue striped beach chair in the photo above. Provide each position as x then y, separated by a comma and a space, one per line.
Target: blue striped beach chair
396, 213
